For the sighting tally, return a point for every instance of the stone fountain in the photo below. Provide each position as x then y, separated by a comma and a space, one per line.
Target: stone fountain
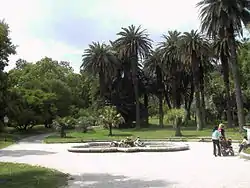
128, 145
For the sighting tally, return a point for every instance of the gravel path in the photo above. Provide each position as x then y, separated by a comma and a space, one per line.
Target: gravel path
195, 168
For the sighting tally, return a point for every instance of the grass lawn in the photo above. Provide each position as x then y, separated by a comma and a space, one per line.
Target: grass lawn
14, 175
153, 132
11, 135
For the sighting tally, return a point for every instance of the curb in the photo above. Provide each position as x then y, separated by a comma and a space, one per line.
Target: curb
244, 155
174, 139
88, 148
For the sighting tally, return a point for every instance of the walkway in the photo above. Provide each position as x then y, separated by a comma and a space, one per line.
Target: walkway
195, 168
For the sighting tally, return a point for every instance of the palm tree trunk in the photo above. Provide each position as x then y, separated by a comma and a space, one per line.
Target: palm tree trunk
203, 104
101, 84
196, 80
146, 106
225, 68
237, 86
135, 83
161, 114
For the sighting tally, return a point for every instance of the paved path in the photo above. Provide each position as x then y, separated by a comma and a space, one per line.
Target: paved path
195, 168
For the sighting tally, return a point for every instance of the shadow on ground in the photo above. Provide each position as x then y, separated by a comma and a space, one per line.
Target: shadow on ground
108, 181
20, 153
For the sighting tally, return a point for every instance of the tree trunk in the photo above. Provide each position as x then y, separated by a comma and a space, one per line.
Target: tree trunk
110, 130
225, 69
178, 127
196, 80
146, 107
203, 108
237, 86
161, 114
101, 84
135, 84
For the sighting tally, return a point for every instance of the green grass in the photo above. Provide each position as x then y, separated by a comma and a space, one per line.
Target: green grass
11, 135
153, 132
14, 175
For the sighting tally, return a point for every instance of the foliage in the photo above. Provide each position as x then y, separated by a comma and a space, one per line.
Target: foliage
110, 117
174, 114
85, 122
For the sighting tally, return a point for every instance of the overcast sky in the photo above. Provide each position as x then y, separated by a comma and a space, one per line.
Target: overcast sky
62, 29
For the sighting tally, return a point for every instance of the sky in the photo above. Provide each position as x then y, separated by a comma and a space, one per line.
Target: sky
62, 29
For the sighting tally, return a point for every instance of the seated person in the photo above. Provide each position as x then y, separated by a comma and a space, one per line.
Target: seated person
138, 142
229, 142
243, 144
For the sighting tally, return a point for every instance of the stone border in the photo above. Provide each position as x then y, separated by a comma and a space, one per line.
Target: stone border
244, 155
86, 148
173, 139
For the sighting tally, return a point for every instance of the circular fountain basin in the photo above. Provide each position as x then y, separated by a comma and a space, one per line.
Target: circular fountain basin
150, 146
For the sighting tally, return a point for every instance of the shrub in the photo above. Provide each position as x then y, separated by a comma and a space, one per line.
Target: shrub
110, 118
60, 124
84, 122
177, 116
173, 114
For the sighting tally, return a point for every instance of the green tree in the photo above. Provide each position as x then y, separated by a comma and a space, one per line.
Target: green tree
100, 59
194, 47
224, 19
6, 49
110, 118
133, 45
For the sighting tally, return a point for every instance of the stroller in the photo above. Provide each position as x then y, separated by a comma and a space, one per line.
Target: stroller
226, 147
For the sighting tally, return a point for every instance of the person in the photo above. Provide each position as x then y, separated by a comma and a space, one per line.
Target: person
138, 142
222, 131
243, 144
216, 141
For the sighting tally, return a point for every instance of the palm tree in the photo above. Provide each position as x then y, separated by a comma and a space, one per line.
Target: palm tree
99, 59
194, 47
152, 65
223, 19
173, 69
133, 45
222, 52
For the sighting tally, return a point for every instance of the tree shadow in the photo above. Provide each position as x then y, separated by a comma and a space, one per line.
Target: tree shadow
101, 180
20, 153
28, 176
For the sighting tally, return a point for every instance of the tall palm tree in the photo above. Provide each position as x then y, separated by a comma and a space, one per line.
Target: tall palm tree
172, 67
223, 19
194, 47
99, 59
133, 45
152, 65
222, 52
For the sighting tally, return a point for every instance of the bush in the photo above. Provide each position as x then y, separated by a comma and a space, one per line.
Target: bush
172, 114
177, 116
110, 118
60, 124
84, 122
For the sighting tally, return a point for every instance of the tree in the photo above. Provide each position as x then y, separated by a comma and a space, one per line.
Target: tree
6, 46
100, 59
152, 65
6, 49
110, 118
222, 52
174, 69
224, 19
133, 45
194, 47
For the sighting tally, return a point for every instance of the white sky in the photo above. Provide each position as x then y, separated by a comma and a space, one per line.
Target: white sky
27, 17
